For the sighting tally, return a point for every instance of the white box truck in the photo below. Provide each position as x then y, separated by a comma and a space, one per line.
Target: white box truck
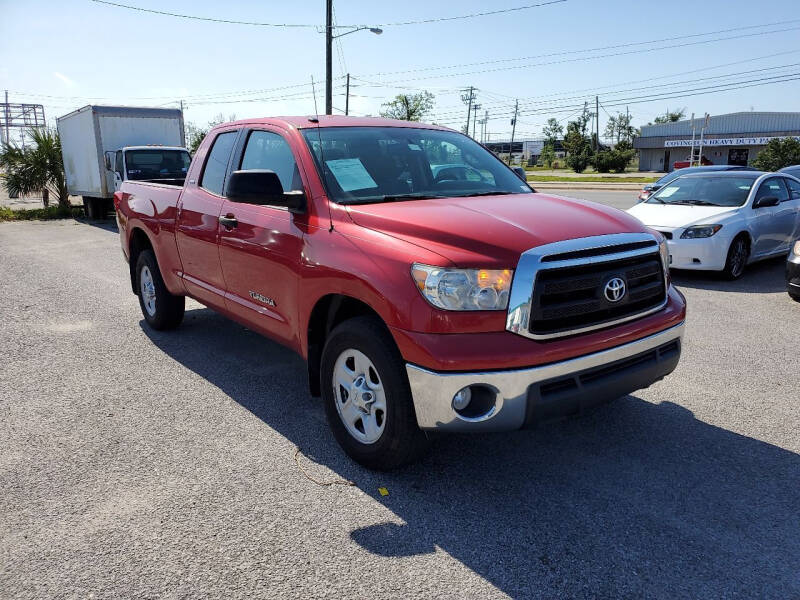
102, 146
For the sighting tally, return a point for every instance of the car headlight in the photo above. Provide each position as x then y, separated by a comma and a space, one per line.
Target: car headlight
796, 249
700, 231
463, 289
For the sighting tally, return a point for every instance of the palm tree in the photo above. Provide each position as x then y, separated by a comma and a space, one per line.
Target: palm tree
36, 168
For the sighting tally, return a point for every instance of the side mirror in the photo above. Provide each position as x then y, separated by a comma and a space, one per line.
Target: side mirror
521, 173
766, 201
107, 160
263, 187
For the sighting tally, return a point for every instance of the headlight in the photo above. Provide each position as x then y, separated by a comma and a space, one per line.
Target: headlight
700, 231
463, 289
796, 249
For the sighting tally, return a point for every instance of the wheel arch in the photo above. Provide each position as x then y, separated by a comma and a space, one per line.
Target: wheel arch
328, 312
137, 243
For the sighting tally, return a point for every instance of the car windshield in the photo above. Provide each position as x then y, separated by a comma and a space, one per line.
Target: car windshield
384, 164
157, 164
705, 191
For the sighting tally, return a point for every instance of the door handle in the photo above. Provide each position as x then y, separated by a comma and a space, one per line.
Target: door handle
229, 221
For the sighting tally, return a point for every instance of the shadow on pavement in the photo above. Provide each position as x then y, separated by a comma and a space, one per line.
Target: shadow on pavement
109, 224
764, 277
635, 499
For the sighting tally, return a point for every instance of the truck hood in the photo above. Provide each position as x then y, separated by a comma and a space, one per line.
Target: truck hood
491, 230
677, 215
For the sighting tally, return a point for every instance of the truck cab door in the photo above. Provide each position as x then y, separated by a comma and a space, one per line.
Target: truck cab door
261, 246
119, 170
197, 224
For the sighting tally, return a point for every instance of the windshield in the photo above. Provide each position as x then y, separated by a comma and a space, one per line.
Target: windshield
381, 164
157, 164
705, 191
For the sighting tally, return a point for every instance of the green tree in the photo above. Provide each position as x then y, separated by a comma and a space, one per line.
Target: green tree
577, 142
548, 155
37, 168
619, 128
777, 154
408, 107
552, 131
670, 116
195, 134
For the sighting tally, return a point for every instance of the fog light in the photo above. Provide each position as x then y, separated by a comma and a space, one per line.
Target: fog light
462, 398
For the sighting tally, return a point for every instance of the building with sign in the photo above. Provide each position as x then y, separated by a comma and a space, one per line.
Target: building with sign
733, 139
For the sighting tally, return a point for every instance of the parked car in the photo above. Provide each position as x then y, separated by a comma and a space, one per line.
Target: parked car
722, 221
95, 140
656, 185
420, 303
793, 271
684, 164
794, 171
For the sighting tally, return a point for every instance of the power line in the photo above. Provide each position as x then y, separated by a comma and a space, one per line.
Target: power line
317, 26
585, 58
596, 49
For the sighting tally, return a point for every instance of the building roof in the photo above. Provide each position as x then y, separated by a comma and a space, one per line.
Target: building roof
732, 123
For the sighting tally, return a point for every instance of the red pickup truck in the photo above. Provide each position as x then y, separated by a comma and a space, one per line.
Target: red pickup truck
427, 286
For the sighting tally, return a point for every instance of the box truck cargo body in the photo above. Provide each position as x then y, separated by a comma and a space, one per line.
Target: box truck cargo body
88, 133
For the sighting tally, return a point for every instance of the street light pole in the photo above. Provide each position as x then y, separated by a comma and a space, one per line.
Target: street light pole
328, 57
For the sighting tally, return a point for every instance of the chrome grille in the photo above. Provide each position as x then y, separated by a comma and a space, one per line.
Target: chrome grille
558, 288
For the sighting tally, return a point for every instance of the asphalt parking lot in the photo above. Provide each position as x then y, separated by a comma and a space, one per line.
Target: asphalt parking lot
142, 464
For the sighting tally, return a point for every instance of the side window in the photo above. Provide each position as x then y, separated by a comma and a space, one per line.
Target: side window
217, 161
773, 187
794, 188
267, 150
118, 164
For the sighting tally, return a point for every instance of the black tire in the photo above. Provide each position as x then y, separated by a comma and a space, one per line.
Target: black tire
89, 207
795, 296
401, 442
738, 254
168, 309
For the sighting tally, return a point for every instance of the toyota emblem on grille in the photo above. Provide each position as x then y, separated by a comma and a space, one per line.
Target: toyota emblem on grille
615, 289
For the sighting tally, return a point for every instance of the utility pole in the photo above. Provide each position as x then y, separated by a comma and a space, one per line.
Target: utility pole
474, 119
485, 125
468, 99
597, 122
347, 97
329, 57
513, 130
8, 129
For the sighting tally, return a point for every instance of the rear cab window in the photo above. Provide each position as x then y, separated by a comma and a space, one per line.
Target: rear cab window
213, 177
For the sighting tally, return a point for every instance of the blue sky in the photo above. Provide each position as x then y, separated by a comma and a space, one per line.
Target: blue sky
76, 52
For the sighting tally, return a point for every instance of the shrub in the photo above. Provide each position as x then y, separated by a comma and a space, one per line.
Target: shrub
778, 154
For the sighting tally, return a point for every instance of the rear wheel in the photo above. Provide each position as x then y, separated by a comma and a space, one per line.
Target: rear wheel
161, 309
367, 397
736, 262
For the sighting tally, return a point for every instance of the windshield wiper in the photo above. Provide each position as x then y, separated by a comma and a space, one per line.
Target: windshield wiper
695, 203
393, 198
484, 194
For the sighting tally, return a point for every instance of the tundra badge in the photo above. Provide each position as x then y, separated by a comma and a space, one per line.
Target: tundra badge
262, 298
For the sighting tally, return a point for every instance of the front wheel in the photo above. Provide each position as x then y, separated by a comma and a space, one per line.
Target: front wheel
367, 397
736, 261
161, 309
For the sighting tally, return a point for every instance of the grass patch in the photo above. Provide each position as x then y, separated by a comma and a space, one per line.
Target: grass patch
591, 179
40, 214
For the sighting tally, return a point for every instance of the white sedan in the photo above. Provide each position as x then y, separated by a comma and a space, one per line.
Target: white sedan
724, 221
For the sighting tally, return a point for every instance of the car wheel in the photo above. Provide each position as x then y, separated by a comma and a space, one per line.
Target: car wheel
736, 262
795, 296
161, 309
367, 397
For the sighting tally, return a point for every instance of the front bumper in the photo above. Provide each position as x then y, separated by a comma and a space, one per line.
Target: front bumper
793, 274
706, 254
528, 396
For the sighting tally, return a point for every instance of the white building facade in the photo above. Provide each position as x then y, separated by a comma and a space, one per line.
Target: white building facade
732, 139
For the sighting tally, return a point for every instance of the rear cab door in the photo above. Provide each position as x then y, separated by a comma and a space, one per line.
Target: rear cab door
261, 246
197, 225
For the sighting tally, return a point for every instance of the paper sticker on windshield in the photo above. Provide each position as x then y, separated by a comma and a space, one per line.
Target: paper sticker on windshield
668, 191
351, 174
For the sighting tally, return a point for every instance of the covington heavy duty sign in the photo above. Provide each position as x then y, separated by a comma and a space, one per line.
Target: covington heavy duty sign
739, 141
